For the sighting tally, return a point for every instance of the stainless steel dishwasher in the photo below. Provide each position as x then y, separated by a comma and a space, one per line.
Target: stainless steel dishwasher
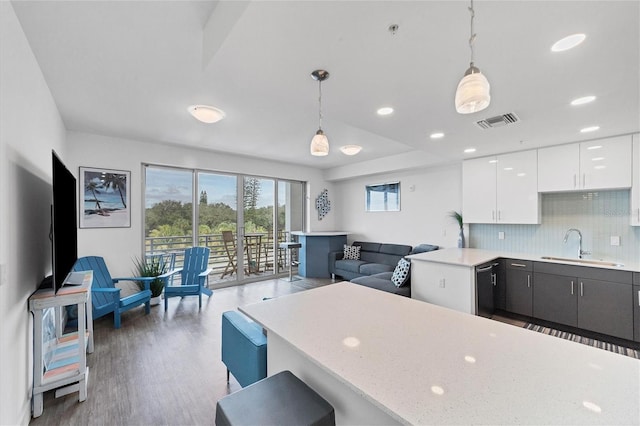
486, 276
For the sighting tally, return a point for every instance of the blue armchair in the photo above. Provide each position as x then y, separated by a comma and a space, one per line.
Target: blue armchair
105, 297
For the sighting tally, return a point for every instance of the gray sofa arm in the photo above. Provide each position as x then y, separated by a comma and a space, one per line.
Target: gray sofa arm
333, 256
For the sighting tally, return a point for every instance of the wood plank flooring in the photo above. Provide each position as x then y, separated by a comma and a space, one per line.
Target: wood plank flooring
161, 368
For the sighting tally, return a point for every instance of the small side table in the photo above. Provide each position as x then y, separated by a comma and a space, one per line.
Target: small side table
289, 246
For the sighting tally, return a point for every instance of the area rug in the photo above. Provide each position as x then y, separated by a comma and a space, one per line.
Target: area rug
584, 340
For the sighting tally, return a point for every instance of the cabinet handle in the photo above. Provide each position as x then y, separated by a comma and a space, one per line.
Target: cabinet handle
493, 215
581, 289
584, 180
519, 265
639, 214
494, 280
638, 297
574, 181
572, 287
528, 281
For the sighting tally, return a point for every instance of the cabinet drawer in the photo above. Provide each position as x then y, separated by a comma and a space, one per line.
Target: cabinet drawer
523, 265
602, 274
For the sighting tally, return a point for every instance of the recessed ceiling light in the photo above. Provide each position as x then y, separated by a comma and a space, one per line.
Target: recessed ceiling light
589, 129
469, 150
568, 42
436, 135
583, 100
385, 111
206, 114
350, 149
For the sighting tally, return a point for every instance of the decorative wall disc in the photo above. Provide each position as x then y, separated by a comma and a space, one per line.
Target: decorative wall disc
323, 205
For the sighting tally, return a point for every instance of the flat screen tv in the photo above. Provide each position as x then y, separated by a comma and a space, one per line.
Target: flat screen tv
64, 231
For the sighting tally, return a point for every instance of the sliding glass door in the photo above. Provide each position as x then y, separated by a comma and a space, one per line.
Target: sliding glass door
192, 207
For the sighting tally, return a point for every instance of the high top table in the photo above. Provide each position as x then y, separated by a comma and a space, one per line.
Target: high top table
379, 358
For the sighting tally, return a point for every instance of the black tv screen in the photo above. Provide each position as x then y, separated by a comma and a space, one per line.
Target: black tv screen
64, 231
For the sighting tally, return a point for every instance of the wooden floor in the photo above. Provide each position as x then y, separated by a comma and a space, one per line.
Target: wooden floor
161, 368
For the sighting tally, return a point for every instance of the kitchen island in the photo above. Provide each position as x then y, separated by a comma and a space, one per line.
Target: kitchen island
383, 359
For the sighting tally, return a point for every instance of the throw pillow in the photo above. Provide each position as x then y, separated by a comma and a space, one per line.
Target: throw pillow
351, 252
423, 248
401, 273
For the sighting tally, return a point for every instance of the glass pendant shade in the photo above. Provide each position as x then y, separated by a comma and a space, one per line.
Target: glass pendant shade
473, 92
320, 144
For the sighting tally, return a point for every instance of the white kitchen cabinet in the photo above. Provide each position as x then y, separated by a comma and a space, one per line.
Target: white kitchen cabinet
635, 185
599, 164
501, 189
451, 286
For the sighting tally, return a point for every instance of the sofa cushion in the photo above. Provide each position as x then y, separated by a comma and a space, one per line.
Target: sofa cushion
366, 246
395, 249
423, 248
351, 252
374, 268
383, 282
349, 265
401, 273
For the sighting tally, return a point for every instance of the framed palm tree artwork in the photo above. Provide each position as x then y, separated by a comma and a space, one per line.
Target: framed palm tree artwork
105, 197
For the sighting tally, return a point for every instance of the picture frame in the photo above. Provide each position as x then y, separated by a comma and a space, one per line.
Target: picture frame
105, 198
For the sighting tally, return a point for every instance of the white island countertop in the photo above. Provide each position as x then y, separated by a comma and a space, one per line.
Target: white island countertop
424, 364
319, 233
474, 257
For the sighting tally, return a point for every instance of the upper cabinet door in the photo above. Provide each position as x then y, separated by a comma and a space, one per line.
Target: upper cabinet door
635, 185
479, 190
559, 168
518, 200
606, 163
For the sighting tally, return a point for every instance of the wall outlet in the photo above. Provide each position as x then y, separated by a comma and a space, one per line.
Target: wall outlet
442, 283
615, 240
501, 235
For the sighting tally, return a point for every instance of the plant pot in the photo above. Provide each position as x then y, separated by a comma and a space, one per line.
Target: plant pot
155, 300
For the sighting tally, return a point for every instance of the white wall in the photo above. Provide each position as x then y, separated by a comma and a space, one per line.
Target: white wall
119, 245
30, 127
427, 195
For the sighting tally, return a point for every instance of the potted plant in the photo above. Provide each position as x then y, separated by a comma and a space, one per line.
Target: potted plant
151, 267
458, 218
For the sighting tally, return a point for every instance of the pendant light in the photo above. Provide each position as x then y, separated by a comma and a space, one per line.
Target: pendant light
320, 143
472, 94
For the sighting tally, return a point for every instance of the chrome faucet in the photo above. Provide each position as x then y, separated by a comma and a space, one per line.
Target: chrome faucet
580, 251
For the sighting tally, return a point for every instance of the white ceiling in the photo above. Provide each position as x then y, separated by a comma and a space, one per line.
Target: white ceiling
131, 69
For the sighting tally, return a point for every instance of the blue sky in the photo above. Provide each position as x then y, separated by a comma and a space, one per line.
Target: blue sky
172, 184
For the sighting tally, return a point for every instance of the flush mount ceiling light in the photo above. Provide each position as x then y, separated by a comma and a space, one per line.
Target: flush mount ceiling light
320, 143
436, 135
469, 150
568, 42
589, 129
206, 114
350, 149
473, 93
385, 111
583, 100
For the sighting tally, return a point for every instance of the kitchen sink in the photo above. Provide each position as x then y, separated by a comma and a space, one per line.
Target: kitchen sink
584, 261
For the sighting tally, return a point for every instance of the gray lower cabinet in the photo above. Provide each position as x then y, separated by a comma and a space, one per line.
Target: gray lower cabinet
636, 306
519, 286
593, 299
554, 299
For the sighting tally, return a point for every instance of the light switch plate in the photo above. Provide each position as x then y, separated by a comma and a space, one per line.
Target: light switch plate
615, 240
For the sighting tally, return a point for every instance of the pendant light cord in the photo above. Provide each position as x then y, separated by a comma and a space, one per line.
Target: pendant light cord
472, 35
319, 104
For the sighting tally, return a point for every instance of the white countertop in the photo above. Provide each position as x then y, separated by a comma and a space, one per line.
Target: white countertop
319, 233
424, 364
474, 257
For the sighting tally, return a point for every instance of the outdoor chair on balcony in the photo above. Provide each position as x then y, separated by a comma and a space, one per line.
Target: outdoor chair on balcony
193, 276
232, 253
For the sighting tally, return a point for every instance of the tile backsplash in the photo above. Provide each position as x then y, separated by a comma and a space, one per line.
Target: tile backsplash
598, 215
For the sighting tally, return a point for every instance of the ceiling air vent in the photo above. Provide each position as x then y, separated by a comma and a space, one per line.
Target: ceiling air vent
498, 121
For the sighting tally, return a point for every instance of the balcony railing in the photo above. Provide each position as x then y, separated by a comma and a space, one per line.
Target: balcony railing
263, 258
